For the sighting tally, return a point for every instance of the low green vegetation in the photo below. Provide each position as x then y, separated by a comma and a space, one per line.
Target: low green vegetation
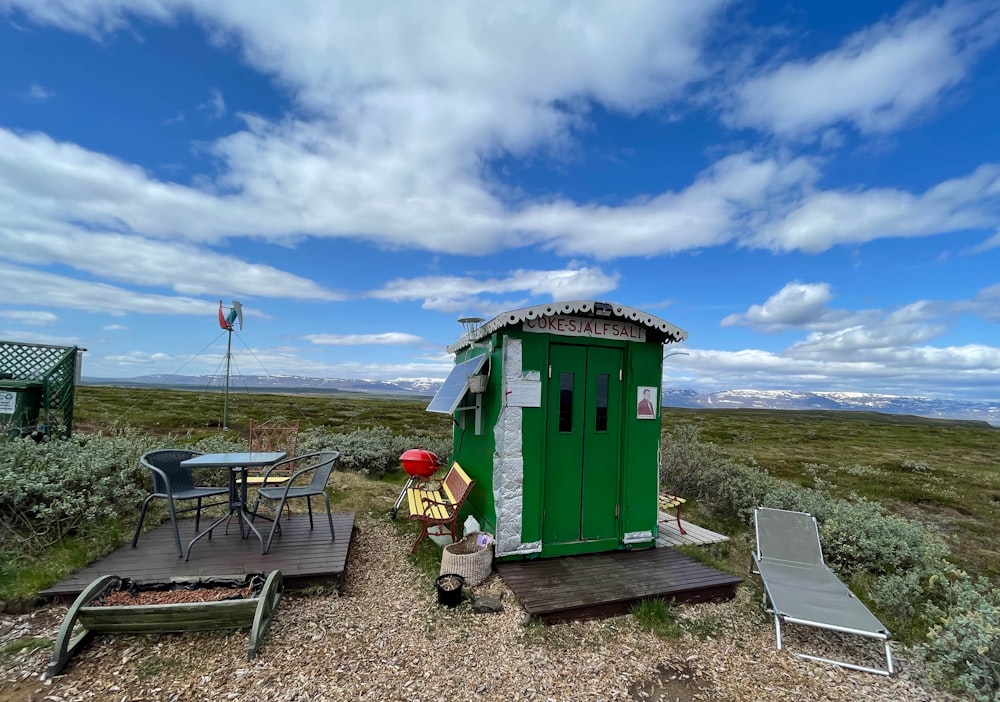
907, 507
900, 566
945, 473
657, 617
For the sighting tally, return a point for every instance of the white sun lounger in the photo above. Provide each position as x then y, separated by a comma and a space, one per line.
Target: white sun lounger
799, 588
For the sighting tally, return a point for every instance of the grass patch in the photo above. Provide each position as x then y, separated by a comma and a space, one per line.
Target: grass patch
657, 617
22, 576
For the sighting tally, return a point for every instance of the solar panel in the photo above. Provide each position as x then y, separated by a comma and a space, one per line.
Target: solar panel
451, 393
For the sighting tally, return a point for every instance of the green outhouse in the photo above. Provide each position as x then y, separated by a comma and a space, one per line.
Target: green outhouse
37, 388
557, 418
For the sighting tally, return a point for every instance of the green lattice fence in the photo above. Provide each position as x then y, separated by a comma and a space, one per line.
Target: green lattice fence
43, 379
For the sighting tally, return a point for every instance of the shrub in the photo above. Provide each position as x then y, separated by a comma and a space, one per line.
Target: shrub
916, 467
58, 487
962, 651
901, 561
373, 451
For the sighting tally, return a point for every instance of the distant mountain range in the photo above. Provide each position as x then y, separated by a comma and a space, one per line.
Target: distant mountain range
849, 401
672, 397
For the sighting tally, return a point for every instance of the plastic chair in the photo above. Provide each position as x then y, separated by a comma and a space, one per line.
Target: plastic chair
172, 482
319, 467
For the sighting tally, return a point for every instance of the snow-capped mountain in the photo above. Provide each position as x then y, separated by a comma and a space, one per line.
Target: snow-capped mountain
855, 401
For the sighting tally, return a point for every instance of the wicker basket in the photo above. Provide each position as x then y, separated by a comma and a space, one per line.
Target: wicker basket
465, 558
477, 384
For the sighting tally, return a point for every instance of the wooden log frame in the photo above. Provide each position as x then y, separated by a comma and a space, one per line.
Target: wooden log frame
441, 506
83, 620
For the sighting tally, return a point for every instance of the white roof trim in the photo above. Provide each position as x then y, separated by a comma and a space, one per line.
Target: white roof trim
584, 307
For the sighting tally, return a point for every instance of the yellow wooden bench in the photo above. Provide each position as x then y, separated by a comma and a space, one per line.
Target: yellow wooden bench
668, 502
440, 506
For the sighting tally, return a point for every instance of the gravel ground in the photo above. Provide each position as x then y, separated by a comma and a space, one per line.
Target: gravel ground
386, 638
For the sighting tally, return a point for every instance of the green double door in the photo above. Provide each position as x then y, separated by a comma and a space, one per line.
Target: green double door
583, 446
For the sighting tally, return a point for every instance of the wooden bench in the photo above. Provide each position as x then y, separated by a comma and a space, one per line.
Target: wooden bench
440, 506
668, 502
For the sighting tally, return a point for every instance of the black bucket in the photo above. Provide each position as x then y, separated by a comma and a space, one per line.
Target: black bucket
449, 589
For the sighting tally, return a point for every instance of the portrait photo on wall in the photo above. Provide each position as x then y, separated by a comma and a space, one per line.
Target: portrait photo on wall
647, 402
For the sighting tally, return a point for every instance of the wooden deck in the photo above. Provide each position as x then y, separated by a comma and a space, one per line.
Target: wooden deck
606, 584
304, 556
670, 535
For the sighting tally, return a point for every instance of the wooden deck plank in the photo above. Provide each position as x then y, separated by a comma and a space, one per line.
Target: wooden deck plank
303, 555
604, 584
670, 535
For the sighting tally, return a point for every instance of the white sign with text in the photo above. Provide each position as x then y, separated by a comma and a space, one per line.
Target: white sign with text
8, 400
585, 326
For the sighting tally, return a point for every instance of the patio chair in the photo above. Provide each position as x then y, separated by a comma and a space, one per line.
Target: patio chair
317, 466
274, 435
271, 435
174, 483
799, 588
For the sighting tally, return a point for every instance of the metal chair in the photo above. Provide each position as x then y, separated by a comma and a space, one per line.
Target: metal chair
172, 482
799, 588
273, 435
319, 465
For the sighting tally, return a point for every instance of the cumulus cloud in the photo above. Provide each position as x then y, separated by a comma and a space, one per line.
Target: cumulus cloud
951, 371
878, 80
795, 305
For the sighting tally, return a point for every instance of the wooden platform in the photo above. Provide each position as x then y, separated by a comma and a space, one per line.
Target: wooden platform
606, 584
670, 535
304, 556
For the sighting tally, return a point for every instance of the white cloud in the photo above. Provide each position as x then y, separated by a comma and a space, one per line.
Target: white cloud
38, 93
382, 339
215, 105
457, 294
137, 359
824, 219
878, 80
114, 327
35, 318
847, 350
953, 371
795, 305
53, 290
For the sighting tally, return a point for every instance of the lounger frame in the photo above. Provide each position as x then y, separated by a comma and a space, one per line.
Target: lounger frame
806, 557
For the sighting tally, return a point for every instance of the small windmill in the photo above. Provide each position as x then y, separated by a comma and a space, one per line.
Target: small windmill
226, 319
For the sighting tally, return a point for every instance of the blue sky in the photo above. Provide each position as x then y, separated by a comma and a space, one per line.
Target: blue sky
811, 190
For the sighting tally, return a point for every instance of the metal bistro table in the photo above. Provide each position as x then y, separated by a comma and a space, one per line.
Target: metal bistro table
236, 463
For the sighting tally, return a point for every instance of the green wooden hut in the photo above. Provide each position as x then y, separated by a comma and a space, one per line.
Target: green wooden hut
557, 418
37, 388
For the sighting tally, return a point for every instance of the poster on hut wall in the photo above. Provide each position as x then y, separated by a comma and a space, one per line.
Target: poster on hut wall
646, 402
7, 402
525, 391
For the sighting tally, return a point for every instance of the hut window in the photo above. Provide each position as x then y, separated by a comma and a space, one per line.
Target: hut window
601, 418
566, 402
